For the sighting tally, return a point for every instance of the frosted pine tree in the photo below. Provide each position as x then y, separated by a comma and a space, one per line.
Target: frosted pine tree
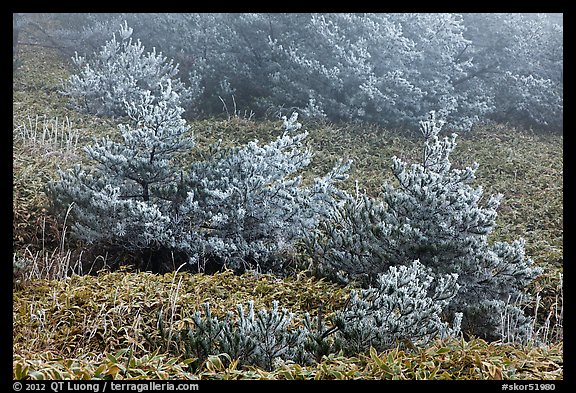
121, 72
243, 208
250, 205
126, 199
437, 217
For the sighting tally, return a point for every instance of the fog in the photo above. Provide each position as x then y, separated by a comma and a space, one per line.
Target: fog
390, 69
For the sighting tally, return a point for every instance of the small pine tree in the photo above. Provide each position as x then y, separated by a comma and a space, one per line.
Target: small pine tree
120, 73
254, 338
249, 202
125, 200
438, 218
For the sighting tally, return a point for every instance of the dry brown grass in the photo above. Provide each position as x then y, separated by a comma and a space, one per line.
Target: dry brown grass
94, 327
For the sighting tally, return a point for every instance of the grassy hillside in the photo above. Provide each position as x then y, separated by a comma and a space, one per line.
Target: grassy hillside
96, 326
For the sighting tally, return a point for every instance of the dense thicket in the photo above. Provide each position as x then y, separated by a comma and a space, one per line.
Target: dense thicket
386, 68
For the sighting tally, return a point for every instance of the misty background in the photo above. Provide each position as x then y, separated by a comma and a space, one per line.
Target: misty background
390, 69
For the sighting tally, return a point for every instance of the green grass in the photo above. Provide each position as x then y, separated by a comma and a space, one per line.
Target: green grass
92, 326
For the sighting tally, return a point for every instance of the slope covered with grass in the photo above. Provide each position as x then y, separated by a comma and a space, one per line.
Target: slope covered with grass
106, 325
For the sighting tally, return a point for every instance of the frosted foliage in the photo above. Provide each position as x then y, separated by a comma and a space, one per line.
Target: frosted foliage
405, 306
270, 332
124, 200
121, 72
244, 208
252, 203
291, 124
437, 217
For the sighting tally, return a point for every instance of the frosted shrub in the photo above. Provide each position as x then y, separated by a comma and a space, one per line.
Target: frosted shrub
404, 308
438, 218
121, 72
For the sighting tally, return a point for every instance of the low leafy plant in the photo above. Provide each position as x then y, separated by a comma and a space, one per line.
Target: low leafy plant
405, 309
117, 366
